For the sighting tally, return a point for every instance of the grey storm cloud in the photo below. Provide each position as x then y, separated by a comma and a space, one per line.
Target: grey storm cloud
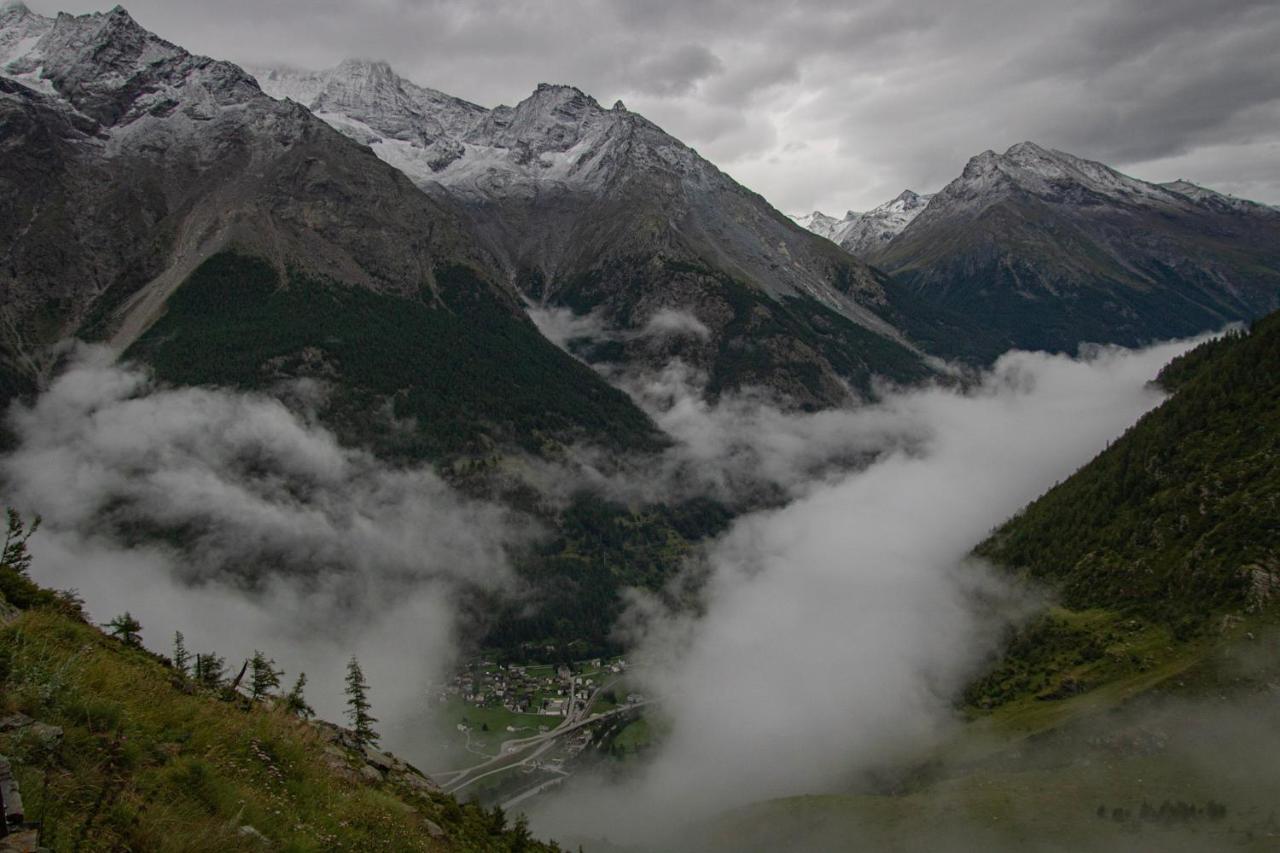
829, 105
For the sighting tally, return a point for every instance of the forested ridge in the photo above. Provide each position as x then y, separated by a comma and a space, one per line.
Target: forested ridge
1178, 519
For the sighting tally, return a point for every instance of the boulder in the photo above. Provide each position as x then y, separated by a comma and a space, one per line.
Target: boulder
44, 734
385, 763
21, 841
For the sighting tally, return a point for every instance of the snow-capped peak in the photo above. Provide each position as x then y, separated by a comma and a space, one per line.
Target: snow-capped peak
862, 233
559, 135
819, 223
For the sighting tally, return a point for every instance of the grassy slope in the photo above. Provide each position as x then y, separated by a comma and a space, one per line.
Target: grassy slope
147, 765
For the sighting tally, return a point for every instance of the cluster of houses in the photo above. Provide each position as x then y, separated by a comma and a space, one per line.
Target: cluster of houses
550, 691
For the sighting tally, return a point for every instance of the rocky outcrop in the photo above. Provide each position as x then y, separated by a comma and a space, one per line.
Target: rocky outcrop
357, 763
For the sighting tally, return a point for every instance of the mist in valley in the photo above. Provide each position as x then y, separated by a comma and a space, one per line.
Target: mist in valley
832, 629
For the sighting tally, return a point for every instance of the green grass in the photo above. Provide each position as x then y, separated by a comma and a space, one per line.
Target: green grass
634, 737
148, 765
497, 719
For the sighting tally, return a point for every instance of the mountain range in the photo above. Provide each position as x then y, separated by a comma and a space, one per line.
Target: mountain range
135, 163
1050, 250
159, 201
601, 211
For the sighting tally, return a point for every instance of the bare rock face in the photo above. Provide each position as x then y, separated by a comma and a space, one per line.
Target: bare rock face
356, 762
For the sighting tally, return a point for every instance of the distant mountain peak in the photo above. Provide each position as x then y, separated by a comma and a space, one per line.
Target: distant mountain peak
861, 233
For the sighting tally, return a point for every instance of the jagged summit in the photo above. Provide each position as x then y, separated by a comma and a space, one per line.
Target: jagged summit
1031, 169
557, 136
1028, 150
819, 223
112, 70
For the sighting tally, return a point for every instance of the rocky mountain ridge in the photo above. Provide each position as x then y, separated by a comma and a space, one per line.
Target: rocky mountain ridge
601, 211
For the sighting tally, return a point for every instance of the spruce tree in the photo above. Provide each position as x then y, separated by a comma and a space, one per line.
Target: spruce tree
15, 555
358, 705
181, 657
295, 703
127, 629
210, 670
263, 675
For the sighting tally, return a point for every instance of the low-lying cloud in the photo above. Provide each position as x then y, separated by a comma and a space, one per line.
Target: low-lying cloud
831, 631
834, 632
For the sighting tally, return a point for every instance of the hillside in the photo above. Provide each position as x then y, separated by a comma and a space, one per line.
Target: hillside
113, 749
1177, 519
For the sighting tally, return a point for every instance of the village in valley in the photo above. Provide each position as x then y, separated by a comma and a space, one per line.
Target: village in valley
517, 729
547, 690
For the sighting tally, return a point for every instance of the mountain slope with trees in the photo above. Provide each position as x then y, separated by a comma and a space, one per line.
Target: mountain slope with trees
1179, 519
600, 210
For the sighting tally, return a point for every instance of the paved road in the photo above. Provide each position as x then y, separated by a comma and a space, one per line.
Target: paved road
534, 791
523, 750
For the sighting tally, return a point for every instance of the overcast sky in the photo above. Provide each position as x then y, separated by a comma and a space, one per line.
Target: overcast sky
828, 104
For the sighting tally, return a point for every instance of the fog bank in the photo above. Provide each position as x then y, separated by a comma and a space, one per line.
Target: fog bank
837, 629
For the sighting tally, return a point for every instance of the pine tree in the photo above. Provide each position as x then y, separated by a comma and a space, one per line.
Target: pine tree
127, 629
210, 670
295, 703
181, 657
358, 705
15, 555
263, 675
